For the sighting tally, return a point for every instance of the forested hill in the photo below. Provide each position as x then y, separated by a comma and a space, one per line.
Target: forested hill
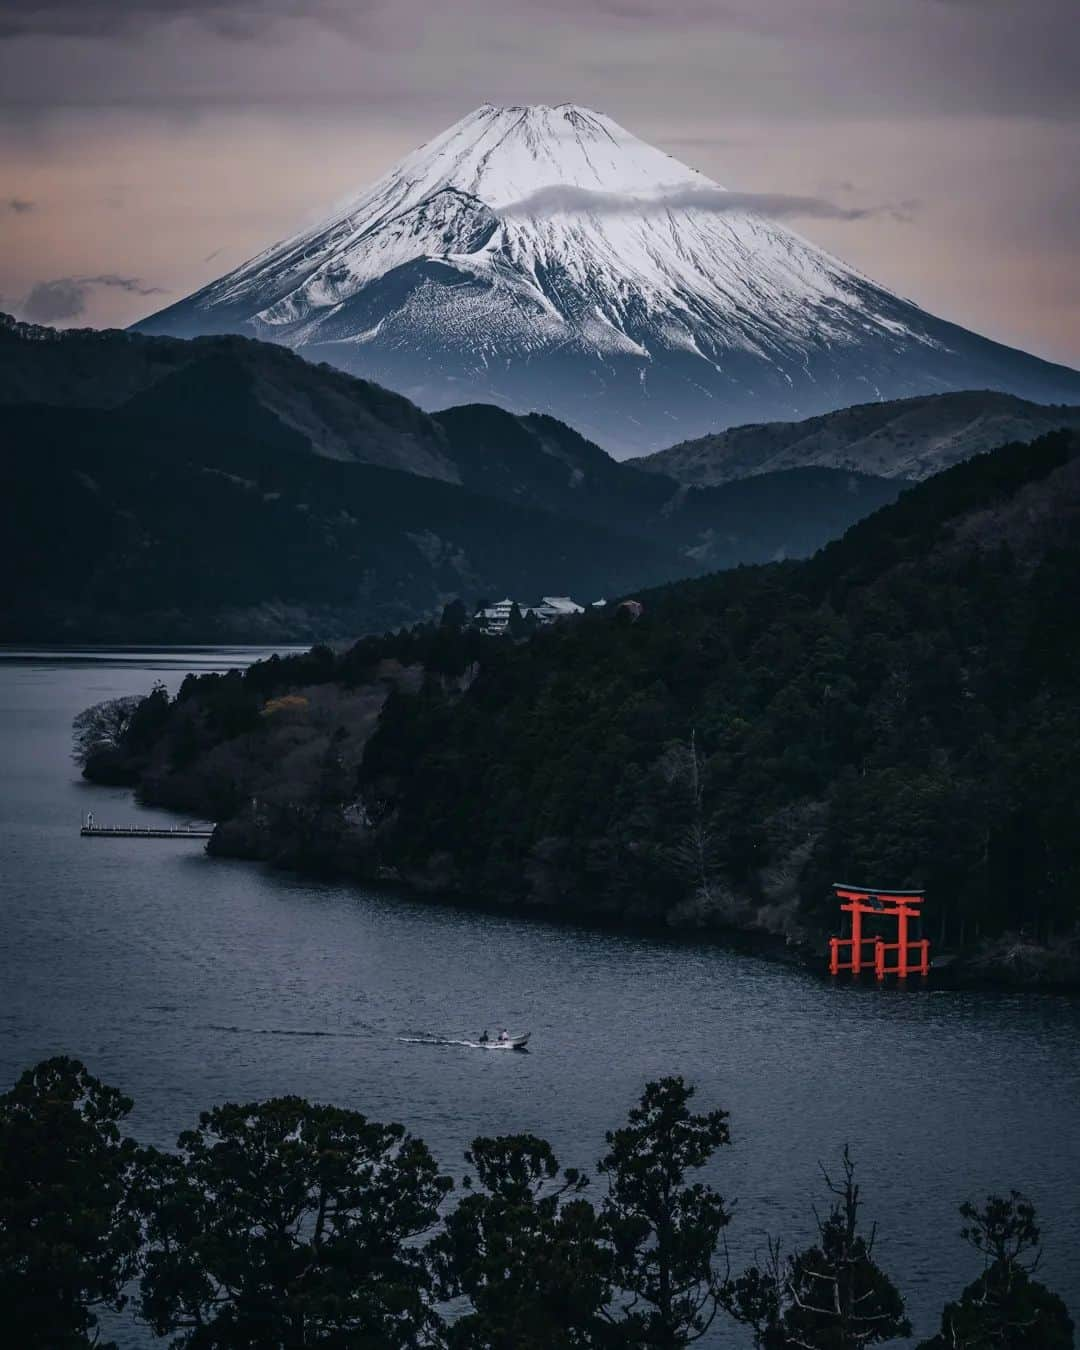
205, 519
225, 489
902, 709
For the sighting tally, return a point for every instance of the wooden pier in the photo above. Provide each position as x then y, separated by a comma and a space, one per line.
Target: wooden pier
146, 831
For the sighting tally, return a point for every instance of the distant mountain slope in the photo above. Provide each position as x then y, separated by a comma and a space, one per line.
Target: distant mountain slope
532, 460
474, 500
546, 259
209, 505
193, 514
337, 415
543, 462
907, 438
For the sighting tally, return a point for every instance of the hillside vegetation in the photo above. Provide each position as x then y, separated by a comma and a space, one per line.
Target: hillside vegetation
901, 709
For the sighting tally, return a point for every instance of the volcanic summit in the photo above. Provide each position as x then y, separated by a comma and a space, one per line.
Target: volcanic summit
545, 259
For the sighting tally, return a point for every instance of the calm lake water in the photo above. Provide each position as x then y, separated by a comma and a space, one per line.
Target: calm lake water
186, 981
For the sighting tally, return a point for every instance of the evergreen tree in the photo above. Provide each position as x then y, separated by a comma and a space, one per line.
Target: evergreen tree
515, 624
663, 1229
69, 1239
526, 1251
287, 1224
755, 1298
1004, 1309
454, 616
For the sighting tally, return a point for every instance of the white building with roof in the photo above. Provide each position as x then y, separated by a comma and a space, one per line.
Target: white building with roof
495, 619
552, 607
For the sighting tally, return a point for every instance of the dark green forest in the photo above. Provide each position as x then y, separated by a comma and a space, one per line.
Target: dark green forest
286, 1224
902, 710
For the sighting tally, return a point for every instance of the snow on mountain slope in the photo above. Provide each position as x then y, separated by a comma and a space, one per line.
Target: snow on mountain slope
544, 258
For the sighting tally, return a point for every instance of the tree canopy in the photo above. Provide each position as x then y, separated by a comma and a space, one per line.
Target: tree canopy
526, 1251
285, 1225
832, 1295
1005, 1308
69, 1235
663, 1229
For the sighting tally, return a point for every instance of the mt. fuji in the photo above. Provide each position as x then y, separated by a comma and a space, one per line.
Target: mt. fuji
545, 259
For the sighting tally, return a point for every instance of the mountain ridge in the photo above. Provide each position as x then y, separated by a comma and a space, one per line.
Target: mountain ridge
908, 438
104, 368
220, 525
224, 489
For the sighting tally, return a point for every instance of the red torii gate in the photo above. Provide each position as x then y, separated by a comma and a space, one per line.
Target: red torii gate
912, 956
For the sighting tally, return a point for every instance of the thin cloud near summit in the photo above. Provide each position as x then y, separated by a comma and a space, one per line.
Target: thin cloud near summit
549, 201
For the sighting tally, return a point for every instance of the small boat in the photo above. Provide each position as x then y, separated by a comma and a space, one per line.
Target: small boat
492, 1043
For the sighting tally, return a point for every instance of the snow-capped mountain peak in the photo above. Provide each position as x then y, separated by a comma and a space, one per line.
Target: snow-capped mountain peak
503, 155
546, 258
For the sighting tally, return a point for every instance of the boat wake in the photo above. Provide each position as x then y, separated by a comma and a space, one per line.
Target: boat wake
514, 1043
283, 1031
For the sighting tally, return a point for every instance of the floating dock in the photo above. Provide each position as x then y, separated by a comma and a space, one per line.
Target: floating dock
146, 831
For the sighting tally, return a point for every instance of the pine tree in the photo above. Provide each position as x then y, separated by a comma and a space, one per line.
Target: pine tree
525, 1250
283, 1223
69, 1235
1004, 1309
663, 1229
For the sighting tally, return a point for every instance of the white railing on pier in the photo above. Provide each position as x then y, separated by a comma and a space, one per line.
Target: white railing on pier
152, 831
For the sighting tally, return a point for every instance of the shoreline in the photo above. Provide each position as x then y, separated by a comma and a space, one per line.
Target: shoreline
1009, 965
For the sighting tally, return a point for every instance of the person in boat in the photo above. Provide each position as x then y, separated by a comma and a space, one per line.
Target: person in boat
504, 1035
484, 1037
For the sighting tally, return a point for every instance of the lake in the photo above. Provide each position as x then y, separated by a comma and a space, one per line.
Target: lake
187, 981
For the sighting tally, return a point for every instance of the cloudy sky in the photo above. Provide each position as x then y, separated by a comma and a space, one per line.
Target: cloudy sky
146, 146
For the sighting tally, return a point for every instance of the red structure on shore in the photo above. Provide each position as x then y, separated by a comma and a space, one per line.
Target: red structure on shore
912, 956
